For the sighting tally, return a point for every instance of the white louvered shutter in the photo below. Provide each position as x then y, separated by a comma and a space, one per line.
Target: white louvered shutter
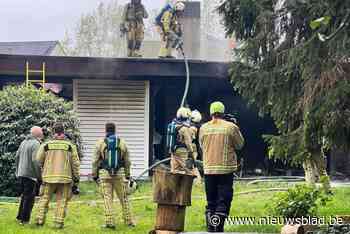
122, 102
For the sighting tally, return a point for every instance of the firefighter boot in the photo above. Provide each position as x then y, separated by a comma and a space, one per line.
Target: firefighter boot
208, 218
221, 224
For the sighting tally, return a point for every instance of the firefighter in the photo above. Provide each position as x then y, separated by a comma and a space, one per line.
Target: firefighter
111, 171
132, 24
170, 29
196, 119
182, 155
60, 165
219, 139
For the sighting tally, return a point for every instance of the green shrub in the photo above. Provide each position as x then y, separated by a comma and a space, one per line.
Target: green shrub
21, 108
300, 201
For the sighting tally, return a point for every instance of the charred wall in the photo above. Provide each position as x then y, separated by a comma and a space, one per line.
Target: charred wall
167, 98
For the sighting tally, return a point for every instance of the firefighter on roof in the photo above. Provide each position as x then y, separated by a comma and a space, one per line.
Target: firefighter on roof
60, 166
133, 26
111, 170
170, 29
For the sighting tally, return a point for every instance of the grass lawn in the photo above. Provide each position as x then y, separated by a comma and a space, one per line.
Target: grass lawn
86, 216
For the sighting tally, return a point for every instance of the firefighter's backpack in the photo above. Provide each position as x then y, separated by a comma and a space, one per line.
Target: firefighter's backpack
158, 19
112, 161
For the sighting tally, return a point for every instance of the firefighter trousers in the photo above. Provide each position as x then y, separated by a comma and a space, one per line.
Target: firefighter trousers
63, 194
135, 38
165, 49
107, 188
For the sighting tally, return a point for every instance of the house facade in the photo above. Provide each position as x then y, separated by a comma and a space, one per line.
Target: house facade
140, 95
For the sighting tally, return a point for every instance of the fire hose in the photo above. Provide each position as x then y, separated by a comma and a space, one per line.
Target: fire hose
177, 43
187, 86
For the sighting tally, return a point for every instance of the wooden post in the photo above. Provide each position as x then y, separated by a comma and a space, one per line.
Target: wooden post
172, 192
292, 229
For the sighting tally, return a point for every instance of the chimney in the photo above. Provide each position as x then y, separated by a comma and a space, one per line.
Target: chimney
191, 22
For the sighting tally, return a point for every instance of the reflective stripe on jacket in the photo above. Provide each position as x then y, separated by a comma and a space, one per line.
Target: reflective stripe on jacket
219, 139
60, 162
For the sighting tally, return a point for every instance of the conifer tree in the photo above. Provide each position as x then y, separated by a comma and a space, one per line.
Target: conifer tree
293, 64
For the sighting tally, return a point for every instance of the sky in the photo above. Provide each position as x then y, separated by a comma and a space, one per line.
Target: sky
47, 20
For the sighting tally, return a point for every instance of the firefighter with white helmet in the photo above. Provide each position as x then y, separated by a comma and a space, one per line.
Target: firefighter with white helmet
169, 28
196, 119
179, 142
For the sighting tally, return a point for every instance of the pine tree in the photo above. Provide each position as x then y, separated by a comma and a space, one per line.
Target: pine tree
294, 65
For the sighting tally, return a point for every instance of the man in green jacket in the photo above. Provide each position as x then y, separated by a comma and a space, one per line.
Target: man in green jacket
28, 172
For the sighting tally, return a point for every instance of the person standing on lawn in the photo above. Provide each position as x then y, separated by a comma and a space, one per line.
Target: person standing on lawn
28, 173
196, 118
182, 149
60, 164
111, 171
219, 139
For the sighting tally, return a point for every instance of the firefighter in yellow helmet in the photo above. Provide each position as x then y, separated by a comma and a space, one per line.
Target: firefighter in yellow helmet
219, 139
182, 151
132, 24
111, 171
60, 169
170, 29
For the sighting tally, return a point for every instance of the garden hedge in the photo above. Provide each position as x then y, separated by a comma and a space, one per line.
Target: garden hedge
21, 108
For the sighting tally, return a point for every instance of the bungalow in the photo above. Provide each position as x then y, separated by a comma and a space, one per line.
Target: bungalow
141, 96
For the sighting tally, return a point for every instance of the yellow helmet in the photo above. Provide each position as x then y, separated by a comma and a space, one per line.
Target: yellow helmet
183, 113
196, 116
217, 107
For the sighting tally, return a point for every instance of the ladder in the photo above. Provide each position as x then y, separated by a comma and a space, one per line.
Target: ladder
42, 72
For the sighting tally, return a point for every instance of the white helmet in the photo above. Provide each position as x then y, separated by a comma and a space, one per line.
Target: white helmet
183, 112
179, 6
196, 116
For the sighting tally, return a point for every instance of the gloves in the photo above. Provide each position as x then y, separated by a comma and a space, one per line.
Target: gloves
75, 190
76, 180
96, 179
174, 40
189, 163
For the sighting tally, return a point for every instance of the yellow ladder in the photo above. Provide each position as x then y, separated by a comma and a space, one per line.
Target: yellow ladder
42, 72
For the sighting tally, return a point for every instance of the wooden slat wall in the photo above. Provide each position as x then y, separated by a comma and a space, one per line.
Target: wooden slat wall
124, 102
